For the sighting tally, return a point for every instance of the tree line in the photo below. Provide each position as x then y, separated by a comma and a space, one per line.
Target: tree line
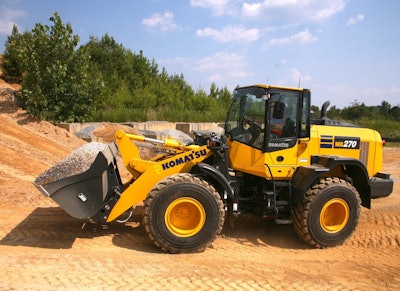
103, 81
100, 80
384, 118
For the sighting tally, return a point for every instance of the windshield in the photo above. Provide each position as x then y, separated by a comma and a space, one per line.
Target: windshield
246, 117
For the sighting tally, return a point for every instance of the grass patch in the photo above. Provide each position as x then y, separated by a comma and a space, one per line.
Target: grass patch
392, 144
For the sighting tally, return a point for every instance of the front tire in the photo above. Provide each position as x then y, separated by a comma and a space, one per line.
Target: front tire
328, 213
183, 214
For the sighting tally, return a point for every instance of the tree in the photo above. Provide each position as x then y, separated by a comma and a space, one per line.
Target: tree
334, 113
225, 98
355, 111
395, 113
15, 55
315, 112
57, 86
214, 92
384, 109
131, 82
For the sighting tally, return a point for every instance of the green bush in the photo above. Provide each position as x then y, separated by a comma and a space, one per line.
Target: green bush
389, 129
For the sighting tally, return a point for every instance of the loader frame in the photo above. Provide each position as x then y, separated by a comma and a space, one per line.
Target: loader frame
286, 172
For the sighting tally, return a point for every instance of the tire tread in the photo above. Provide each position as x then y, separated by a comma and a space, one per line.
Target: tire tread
178, 178
302, 211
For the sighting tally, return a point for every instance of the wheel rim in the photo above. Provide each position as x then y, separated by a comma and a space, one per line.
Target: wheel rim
334, 215
185, 217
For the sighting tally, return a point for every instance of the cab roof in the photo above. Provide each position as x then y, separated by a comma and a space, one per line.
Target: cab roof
272, 87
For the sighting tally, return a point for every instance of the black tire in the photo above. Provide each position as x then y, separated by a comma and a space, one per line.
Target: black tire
183, 214
327, 214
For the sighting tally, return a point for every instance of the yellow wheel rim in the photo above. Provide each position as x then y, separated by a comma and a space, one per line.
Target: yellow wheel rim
334, 215
185, 217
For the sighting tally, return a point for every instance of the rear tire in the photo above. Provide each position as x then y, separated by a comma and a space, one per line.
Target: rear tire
183, 214
327, 214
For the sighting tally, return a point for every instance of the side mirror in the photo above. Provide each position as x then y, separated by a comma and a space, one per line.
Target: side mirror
279, 108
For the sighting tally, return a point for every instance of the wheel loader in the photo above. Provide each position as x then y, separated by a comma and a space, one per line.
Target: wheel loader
272, 161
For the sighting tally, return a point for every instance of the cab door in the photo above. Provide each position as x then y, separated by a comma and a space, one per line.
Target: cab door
288, 144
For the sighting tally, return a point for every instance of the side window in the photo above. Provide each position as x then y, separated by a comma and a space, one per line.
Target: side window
305, 116
285, 125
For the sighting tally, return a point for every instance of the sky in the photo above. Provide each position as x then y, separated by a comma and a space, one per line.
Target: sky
345, 51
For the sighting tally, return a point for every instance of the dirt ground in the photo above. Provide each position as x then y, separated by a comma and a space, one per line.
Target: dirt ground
42, 248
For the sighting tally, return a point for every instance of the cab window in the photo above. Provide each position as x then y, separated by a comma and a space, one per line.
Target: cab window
284, 117
246, 121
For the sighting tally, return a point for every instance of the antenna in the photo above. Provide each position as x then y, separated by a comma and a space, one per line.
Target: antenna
299, 81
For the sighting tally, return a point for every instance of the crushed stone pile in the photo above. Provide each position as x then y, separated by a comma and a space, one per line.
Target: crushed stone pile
78, 162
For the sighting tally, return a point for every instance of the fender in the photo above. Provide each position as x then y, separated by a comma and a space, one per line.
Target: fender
326, 165
209, 170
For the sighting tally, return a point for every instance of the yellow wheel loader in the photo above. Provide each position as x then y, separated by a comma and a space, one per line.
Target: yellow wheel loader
271, 161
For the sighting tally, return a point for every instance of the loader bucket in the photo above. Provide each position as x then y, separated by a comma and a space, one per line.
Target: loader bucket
85, 181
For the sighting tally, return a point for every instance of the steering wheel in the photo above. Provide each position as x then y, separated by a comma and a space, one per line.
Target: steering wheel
254, 129
253, 125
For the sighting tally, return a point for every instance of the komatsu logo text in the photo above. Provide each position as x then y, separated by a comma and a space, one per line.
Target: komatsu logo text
184, 159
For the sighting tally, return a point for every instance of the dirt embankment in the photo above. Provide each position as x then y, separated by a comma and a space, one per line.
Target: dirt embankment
42, 248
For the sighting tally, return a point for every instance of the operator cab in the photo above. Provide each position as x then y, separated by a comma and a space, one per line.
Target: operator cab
269, 118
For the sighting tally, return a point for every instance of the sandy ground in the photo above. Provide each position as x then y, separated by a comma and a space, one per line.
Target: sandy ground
41, 247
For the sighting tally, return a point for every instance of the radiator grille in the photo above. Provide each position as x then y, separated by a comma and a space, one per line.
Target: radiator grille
364, 149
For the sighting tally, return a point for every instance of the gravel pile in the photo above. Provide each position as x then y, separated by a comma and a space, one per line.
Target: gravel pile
87, 133
76, 163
